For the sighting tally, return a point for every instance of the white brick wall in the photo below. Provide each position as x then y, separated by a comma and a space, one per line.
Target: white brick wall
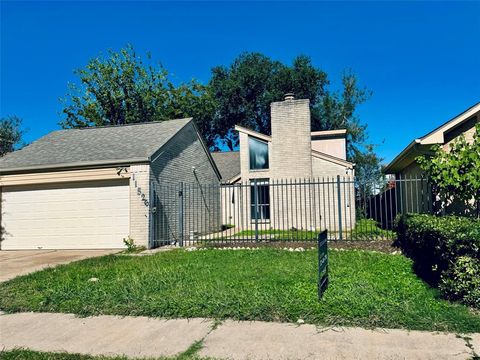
291, 139
290, 157
139, 209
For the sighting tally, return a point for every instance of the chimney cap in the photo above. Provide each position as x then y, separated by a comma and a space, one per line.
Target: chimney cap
289, 96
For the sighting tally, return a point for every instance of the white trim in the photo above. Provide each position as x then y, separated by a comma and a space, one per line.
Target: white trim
253, 133
333, 159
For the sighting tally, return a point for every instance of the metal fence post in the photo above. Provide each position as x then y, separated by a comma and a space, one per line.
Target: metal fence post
340, 227
322, 263
180, 213
255, 207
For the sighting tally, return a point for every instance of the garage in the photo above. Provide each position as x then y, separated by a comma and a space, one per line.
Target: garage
77, 215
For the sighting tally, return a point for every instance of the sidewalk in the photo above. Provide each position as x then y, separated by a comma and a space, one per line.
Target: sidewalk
148, 337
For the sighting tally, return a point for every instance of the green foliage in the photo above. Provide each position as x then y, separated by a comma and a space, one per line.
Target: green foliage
369, 229
436, 244
462, 281
10, 134
366, 289
121, 88
245, 89
455, 174
131, 246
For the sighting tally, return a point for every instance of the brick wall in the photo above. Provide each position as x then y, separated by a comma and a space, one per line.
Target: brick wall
184, 159
139, 208
291, 139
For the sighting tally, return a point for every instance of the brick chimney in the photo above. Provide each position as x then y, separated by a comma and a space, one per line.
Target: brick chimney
291, 139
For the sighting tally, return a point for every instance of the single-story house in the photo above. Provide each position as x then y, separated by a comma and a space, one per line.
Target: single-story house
291, 153
404, 164
413, 193
91, 188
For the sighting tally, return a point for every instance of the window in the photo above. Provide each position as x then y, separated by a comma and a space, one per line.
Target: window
258, 154
260, 200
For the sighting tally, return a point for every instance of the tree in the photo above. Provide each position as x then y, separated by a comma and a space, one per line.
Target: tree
244, 90
10, 134
455, 174
121, 88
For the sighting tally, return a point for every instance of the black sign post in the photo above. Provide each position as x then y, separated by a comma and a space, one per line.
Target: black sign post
322, 263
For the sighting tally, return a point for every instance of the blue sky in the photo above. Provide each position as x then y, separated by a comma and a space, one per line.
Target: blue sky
420, 59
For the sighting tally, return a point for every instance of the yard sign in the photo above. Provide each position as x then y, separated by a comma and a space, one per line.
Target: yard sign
322, 263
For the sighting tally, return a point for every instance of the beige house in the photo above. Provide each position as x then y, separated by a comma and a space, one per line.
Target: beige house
277, 180
404, 164
91, 188
413, 192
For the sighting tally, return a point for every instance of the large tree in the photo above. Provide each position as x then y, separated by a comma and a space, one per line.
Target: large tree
121, 88
10, 134
244, 90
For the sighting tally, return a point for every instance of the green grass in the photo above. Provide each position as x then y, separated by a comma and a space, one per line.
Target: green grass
24, 354
366, 289
368, 229
365, 229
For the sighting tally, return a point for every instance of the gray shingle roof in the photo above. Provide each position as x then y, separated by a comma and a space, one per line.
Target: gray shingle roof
77, 147
228, 163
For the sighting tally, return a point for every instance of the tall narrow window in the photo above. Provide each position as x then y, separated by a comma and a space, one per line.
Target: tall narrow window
260, 200
258, 154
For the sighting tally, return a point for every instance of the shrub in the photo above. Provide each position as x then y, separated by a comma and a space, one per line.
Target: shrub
131, 246
439, 247
462, 281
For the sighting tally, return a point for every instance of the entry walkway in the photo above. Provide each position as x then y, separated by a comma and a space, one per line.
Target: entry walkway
149, 337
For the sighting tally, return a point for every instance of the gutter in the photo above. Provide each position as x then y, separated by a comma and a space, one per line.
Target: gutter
70, 166
402, 155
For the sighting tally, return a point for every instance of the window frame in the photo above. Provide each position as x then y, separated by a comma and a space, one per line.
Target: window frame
250, 156
263, 204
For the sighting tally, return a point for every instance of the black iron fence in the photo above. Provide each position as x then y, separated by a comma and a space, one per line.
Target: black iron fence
273, 210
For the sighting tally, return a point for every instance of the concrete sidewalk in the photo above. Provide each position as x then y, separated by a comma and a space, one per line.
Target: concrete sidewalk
148, 337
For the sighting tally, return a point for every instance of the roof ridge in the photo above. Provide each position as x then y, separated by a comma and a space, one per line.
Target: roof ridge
154, 122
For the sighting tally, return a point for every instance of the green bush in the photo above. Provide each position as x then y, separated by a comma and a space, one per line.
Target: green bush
462, 281
439, 247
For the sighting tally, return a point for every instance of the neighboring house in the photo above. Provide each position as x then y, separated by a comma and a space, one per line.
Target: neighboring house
90, 188
292, 153
413, 194
228, 163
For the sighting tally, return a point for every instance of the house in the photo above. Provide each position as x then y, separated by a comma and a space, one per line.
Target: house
404, 164
413, 192
292, 158
91, 188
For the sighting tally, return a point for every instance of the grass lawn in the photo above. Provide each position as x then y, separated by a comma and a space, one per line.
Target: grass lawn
365, 229
366, 289
24, 354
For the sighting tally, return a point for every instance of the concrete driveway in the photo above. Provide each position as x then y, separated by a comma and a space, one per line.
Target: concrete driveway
14, 263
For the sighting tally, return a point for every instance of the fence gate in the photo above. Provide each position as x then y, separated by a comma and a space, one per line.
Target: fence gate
272, 210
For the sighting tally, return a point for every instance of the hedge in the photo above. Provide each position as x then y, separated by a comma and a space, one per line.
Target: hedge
445, 251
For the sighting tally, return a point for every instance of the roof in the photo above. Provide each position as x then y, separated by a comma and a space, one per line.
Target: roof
422, 144
228, 163
315, 134
329, 133
253, 133
334, 159
111, 145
